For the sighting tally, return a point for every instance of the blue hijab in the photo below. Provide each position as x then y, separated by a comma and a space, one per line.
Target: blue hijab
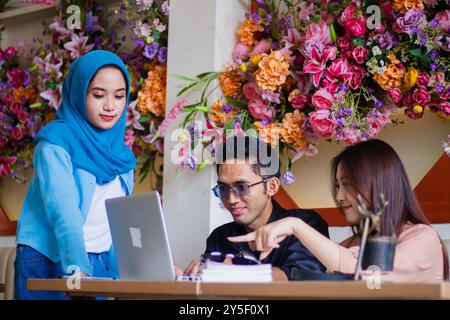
100, 152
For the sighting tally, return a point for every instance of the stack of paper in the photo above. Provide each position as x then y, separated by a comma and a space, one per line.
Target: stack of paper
212, 271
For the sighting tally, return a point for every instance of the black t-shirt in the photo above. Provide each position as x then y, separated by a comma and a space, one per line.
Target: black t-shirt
290, 255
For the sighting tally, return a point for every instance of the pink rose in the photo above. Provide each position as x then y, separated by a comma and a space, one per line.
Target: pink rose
16, 134
261, 47
423, 79
408, 100
359, 54
322, 99
395, 94
299, 102
413, 115
251, 91
443, 18
445, 108
260, 110
344, 43
355, 27
357, 71
240, 52
14, 107
323, 123
22, 115
10, 52
347, 14
421, 96
445, 94
355, 82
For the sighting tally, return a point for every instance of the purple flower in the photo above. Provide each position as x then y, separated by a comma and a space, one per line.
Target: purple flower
191, 162
412, 20
433, 66
227, 108
264, 122
442, 42
288, 178
162, 55
434, 23
140, 43
433, 54
151, 50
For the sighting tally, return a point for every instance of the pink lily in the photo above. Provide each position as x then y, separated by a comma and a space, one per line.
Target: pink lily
310, 150
53, 96
60, 32
5, 164
78, 46
316, 65
338, 70
133, 116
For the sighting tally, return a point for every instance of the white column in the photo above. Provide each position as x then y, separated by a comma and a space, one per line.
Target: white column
202, 35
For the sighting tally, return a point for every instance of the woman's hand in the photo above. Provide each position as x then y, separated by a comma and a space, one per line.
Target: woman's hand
268, 237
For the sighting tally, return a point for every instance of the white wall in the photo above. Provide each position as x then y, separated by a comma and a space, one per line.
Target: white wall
201, 38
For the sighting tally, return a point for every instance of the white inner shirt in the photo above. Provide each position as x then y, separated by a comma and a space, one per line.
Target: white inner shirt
97, 237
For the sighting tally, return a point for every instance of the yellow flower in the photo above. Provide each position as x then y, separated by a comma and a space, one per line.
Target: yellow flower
152, 97
273, 70
418, 109
149, 40
292, 132
410, 78
243, 67
255, 59
230, 82
247, 30
219, 116
392, 77
404, 5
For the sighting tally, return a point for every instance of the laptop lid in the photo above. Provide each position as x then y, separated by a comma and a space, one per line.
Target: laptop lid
140, 238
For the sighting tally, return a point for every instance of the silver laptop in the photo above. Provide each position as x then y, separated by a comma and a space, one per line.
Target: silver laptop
140, 238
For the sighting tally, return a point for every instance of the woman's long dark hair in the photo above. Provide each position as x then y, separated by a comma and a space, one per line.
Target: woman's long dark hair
373, 167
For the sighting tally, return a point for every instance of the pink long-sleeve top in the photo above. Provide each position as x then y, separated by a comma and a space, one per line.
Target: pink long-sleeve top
418, 256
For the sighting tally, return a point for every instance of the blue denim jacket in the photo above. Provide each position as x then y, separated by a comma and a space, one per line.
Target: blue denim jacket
56, 207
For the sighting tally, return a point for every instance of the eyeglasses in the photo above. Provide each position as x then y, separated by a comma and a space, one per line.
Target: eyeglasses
242, 258
239, 189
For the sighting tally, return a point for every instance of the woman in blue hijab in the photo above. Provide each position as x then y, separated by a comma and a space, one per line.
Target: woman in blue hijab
80, 161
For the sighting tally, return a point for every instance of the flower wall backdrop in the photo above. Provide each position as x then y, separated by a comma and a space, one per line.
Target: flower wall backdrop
306, 71
60, 44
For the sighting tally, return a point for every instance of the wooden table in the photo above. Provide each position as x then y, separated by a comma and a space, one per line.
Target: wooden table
274, 290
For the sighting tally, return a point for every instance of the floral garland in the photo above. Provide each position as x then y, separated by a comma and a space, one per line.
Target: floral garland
310, 70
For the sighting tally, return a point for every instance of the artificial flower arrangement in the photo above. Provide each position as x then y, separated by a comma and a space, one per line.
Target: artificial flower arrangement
147, 62
303, 71
21, 115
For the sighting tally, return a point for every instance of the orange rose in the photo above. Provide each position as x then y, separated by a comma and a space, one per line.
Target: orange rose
273, 71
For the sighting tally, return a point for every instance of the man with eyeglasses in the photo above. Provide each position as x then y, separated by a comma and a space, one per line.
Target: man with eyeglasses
246, 184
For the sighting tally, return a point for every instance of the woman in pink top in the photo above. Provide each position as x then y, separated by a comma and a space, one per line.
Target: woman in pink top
368, 168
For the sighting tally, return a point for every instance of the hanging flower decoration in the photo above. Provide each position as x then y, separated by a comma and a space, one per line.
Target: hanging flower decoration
303, 72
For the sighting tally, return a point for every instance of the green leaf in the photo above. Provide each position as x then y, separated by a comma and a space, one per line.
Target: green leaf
208, 75
332, 33
288, 3
188, 118
317, 18
358, 41
416, 52
145, 118
235, 102
190, 107
187, 88
202, 166
142, 158
50, 84
202, 108
181, 77
35, 105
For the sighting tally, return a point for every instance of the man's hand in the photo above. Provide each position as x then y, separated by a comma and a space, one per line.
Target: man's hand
192, 268
178, 270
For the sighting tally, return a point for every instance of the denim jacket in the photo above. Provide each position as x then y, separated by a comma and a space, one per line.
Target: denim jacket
56, 207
